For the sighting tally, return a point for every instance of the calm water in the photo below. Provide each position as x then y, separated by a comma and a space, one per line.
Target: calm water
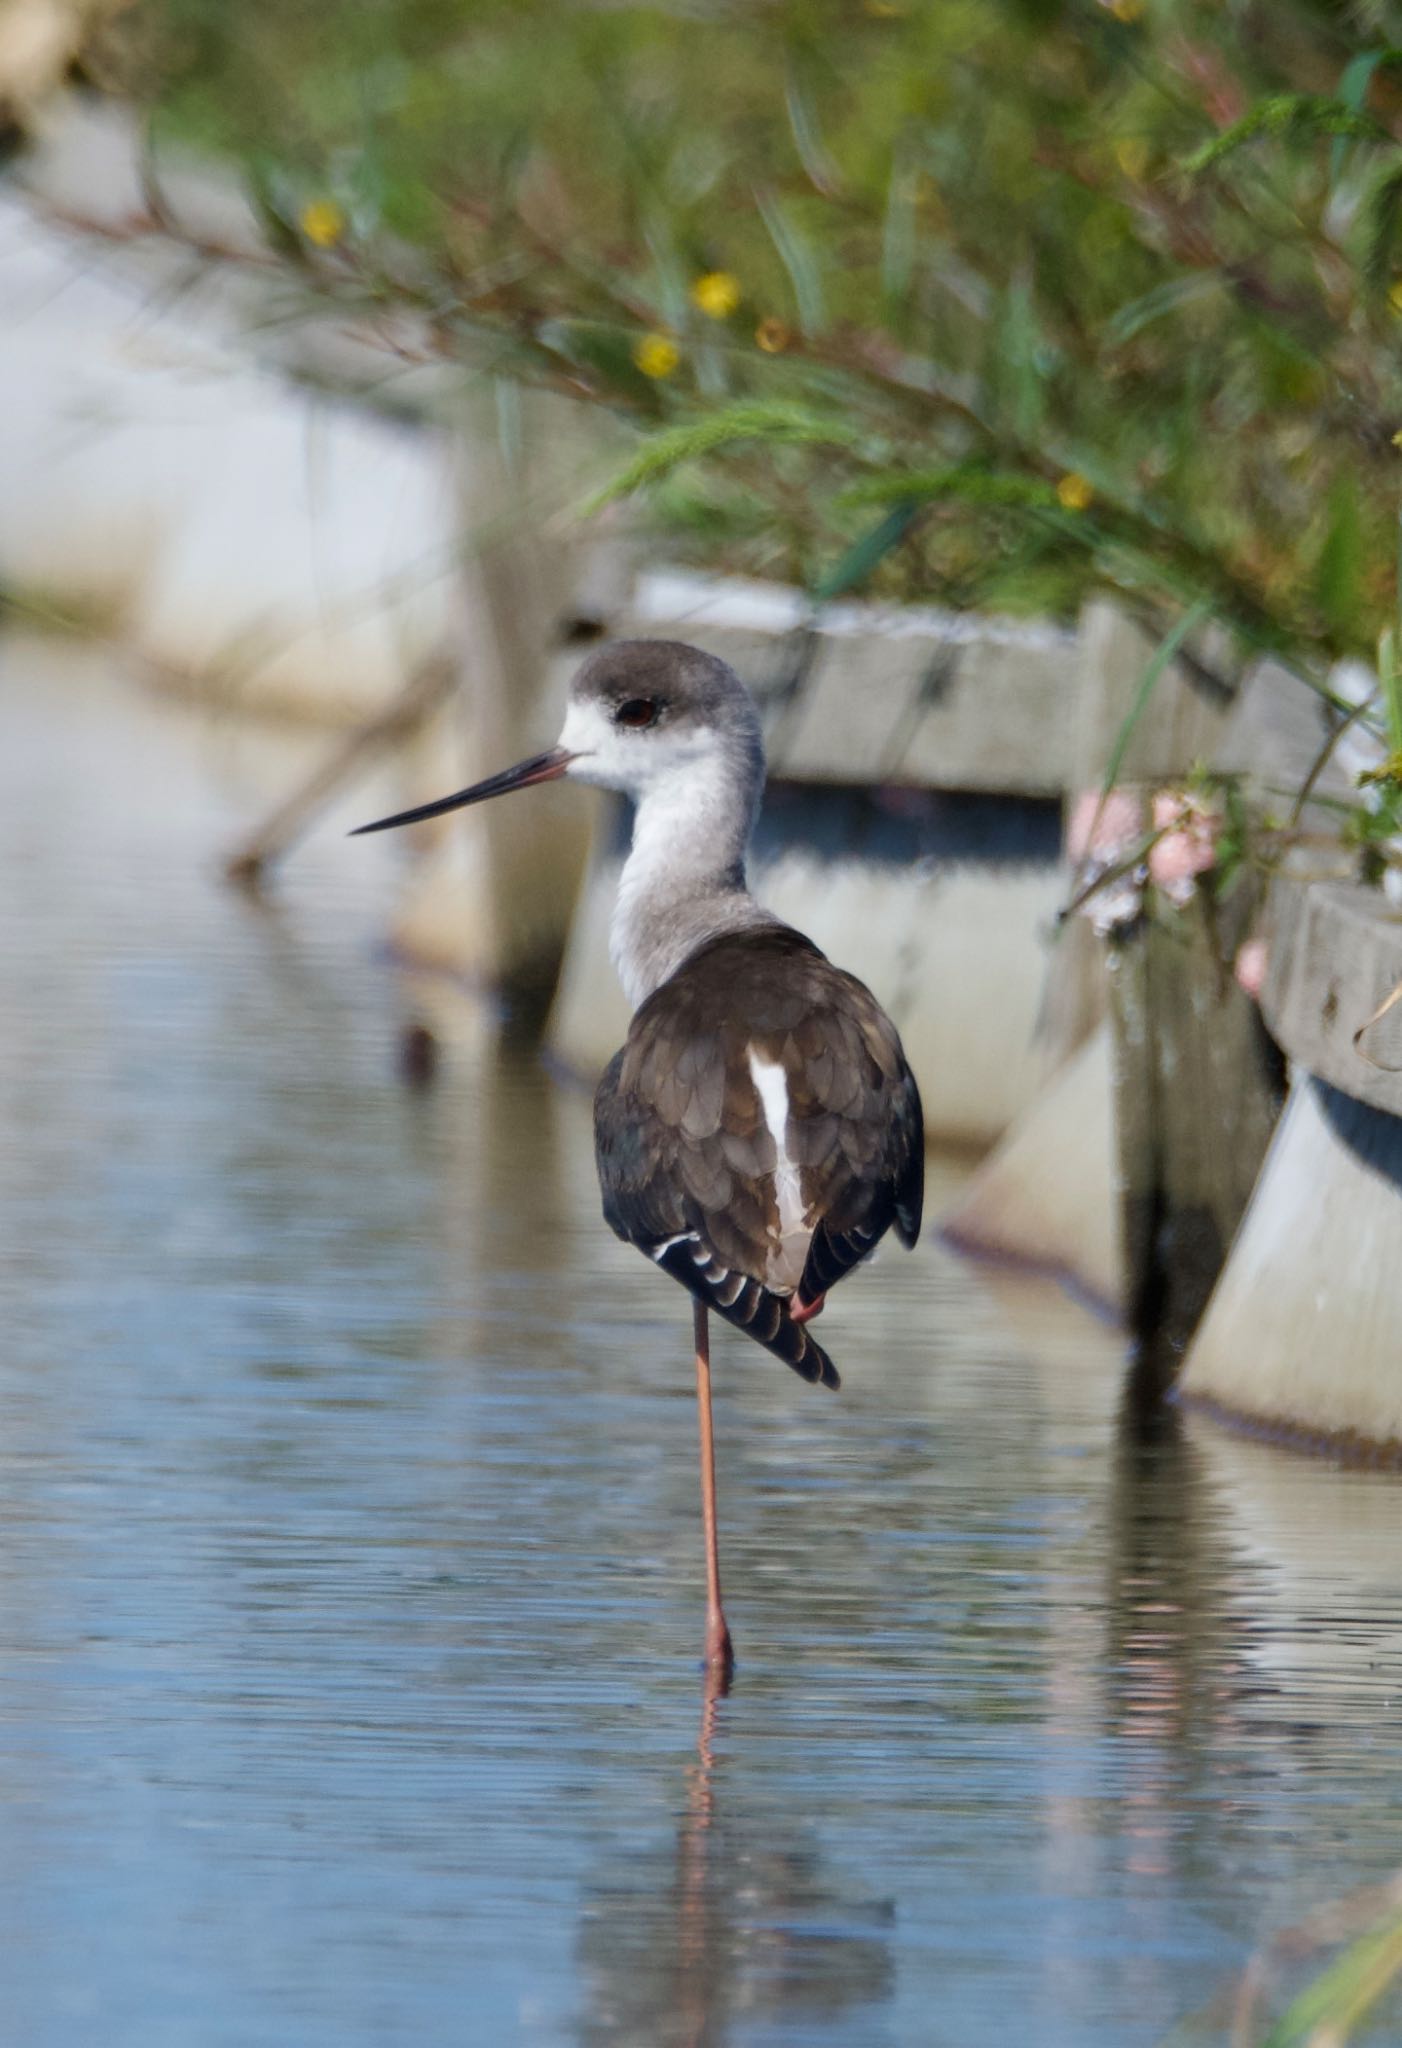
350, 1587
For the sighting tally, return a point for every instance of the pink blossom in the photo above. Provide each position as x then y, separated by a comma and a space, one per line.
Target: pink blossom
1251, 961
1188, 849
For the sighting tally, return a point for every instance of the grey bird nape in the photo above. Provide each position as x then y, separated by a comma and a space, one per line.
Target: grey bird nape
547, 767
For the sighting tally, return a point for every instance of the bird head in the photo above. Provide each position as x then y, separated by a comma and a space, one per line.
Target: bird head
642, 715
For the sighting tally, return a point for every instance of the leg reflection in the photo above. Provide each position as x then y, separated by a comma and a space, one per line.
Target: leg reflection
735, 1915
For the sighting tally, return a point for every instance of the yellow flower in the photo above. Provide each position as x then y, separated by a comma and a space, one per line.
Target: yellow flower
1132, 156
656, 355
1394, 295
1397, 438
1074, 491
772, 336
717, 294
1126, 10
1388, 771
323, 222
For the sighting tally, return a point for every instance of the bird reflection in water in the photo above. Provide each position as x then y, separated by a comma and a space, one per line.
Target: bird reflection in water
747, 1925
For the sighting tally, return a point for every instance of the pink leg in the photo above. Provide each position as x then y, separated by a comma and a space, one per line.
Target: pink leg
804, 1311
720, 1656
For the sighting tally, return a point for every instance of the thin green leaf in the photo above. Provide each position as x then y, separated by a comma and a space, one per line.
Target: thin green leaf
813, 153
773, 421
1390, 681
1341, 1997
1357, 76
668, 283
1338, 569
1304, 795
1382, 215
265, 189
898, 234
1164, 298
1292, 116
1021, 351
1354, 82
1165, 653
800, 259
854, 567
602, 347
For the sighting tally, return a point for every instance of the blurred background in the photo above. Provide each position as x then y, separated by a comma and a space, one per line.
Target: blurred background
1011, 390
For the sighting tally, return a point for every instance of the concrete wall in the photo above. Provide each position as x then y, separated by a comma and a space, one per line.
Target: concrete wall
241, 533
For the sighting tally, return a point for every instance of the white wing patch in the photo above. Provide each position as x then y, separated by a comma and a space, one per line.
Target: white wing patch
660, 1251
788, 1252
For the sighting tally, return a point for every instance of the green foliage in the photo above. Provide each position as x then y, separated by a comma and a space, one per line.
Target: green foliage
1330, 2010
1091, 294
773, 422
1163, 656
1317, 2003
1297, 116
1390, 683
967, 483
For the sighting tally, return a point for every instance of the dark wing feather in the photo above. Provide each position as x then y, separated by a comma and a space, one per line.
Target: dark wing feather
750, 1306
686, 1160
685, 1203
871, 1172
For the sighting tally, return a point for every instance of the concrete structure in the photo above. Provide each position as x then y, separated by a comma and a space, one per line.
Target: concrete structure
1045, 1197
249, 538
183, 465
1301, 1334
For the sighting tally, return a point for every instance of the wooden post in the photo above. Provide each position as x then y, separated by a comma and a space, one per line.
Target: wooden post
1196, 1082
495, 892
1198, 1086
1045, 1198
1198, 1079
1180, 724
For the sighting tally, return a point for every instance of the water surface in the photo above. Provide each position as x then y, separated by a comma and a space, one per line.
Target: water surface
350, 1573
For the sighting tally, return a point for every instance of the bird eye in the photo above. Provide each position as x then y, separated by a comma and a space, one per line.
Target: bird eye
636, 712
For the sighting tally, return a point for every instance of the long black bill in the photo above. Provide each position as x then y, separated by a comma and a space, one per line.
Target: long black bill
543, 768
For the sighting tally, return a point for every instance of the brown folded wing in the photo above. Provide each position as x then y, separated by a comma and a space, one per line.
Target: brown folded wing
686, 1158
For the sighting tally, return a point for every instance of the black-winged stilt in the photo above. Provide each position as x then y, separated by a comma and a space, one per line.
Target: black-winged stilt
760, 1130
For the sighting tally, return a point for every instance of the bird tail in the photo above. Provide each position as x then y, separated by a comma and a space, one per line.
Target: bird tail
749, 1306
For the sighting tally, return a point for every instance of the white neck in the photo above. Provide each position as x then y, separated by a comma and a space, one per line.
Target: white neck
684, 880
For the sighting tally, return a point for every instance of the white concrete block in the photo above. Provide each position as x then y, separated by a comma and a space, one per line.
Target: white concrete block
1301, 1333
